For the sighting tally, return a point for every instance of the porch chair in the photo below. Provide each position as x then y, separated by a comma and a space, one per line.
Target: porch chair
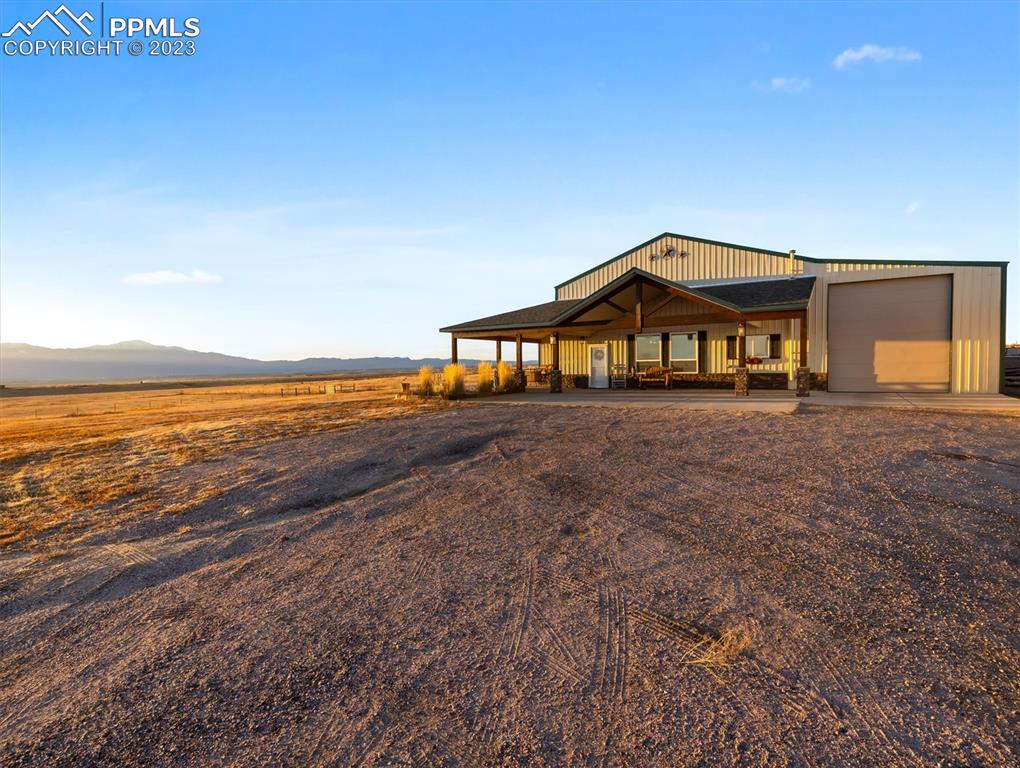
618, 379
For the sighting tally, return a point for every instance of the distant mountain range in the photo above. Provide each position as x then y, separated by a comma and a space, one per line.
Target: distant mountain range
139, 360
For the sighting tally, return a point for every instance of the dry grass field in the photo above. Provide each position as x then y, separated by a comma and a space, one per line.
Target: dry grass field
76, 463
319, 581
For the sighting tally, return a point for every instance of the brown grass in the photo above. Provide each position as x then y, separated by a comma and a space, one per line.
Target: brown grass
716, 652
65, 477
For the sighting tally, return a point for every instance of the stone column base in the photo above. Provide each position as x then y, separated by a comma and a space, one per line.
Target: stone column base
520, 381
741, 388
803, 382
556, 381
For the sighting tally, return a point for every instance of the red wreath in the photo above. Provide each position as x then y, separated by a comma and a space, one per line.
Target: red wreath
753, 360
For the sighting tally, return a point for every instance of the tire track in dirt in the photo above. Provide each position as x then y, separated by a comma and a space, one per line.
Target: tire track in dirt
354, 744
525, 601
558, 655
872, 719
423, 564
110, 655
866, 710
51, 624
131, 554
801, 698
623, 634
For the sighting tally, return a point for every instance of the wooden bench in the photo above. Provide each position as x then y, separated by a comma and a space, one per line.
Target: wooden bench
656, 375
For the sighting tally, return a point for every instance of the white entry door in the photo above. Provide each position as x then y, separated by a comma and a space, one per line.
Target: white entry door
598, 359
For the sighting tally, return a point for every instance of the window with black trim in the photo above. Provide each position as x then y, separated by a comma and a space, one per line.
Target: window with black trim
648, 351
767, 346
683, 352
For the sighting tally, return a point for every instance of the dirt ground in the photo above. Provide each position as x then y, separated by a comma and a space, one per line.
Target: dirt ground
74, 463
493, 585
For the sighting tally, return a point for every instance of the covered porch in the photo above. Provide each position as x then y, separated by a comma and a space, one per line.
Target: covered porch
643, 329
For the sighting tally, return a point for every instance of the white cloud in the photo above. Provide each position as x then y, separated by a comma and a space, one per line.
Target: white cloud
912, 207
789, 84
782, 84
874, 53
170, 277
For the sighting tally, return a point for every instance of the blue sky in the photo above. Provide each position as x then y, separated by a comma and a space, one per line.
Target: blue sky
327, 179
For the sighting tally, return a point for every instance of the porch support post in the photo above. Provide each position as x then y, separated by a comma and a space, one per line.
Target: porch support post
555, 377
520, 382
639, 319
803, 371
499, 351
453, 348
741, 388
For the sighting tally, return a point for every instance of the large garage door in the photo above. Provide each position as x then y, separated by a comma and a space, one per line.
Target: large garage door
890, 335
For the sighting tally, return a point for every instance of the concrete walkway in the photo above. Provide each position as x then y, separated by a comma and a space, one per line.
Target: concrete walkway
775, 401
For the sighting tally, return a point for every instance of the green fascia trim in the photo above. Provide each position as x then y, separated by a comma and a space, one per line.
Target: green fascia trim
792, 306
786, 255
1002, 332
473, 328
906, 262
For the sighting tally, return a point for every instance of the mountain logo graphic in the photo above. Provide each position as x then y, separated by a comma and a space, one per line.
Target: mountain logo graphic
54, 16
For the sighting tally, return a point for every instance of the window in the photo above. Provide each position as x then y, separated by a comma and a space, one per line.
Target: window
683, 352
758, 346
648, 351
765, 346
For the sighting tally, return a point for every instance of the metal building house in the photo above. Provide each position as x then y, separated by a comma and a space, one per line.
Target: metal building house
686, 311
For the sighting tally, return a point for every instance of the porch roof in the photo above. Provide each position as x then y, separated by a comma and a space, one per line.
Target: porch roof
528, 317
759, 295
738, 297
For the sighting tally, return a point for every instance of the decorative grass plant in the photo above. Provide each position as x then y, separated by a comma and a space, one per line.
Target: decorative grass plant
425, 387
453, 380
484, 378
505, 376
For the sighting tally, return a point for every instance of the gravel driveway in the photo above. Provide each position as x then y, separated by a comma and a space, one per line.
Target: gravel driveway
544, 586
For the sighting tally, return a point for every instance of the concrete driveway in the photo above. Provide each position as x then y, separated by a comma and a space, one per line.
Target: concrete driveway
775, 401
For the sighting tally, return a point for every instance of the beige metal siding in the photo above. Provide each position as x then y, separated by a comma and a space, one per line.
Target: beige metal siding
890, 335
574, 352
977, 294
702, 261
975, 348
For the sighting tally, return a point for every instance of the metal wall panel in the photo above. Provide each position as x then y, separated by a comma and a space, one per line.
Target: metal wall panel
976, 342
702, 261
574, 352
977, 295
